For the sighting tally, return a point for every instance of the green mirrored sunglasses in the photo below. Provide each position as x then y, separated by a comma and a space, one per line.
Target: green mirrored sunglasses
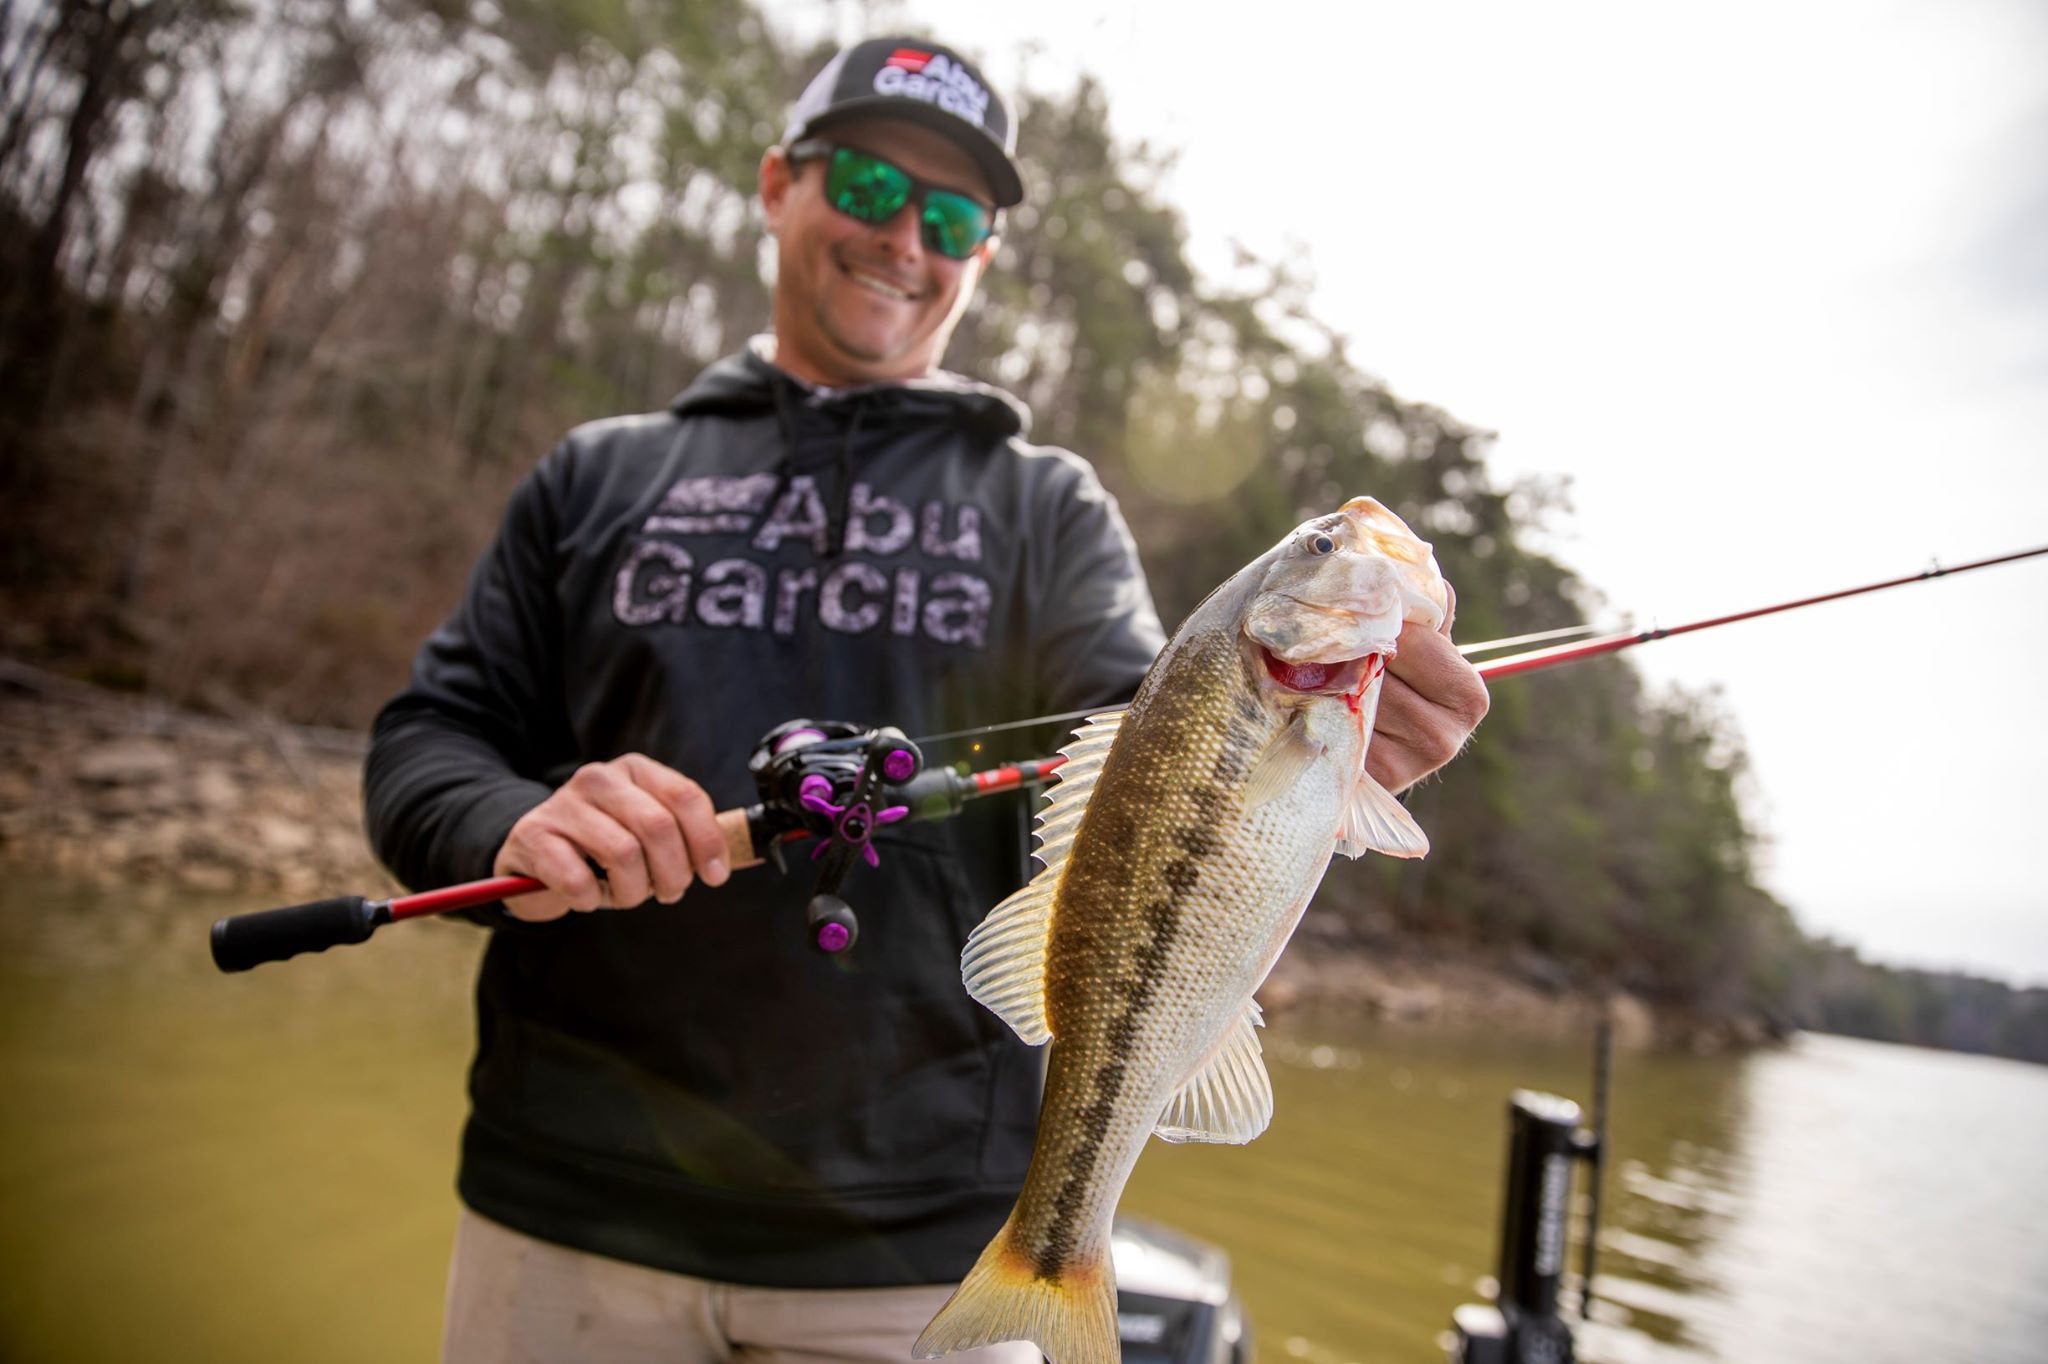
864, 186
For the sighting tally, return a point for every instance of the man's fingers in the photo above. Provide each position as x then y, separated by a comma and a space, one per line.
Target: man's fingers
660, 836
610, 819
692, 811
556, 863
1442, 677
1431, 701
575, 813
1404, 748
651, 830
616, 849
1403, 714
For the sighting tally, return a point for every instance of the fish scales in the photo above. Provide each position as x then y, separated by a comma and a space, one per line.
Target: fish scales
1150, 930
1182, 843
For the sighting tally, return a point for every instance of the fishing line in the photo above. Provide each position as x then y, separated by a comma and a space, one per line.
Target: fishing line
1566, 653
1516, 641
1019, 724
1537, 659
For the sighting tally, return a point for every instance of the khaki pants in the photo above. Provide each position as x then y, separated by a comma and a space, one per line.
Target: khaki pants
515, 1300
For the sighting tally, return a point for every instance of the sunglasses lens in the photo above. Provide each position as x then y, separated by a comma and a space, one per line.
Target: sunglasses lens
954, 225
865, 187
870, 189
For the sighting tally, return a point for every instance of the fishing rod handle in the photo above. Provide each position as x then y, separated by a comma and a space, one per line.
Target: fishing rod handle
737, 825
245, 940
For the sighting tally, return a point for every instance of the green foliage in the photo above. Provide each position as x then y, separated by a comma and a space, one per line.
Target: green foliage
344, 272
1840, 992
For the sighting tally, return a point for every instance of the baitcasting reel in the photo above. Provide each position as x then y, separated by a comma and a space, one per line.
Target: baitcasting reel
826, 778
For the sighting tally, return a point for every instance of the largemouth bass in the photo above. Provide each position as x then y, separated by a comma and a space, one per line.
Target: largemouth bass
1180, 846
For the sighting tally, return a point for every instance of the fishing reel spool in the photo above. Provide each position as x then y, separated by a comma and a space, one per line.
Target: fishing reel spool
827, 778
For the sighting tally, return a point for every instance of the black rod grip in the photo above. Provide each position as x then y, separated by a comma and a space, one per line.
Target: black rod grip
247, 940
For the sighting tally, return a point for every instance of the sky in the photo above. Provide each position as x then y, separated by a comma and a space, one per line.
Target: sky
1767, 283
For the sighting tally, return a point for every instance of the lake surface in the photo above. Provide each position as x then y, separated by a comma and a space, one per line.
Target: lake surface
259, 1168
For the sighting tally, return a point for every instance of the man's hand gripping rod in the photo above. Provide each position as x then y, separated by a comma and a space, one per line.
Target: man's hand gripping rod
823, 779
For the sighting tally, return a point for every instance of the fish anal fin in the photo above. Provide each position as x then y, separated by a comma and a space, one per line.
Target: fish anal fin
1375, 822
1230, 1099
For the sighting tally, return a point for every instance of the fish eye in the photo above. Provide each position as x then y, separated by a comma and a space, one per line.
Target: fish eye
1320, 543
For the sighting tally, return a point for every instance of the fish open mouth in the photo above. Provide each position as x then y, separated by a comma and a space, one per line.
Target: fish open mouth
1346, 678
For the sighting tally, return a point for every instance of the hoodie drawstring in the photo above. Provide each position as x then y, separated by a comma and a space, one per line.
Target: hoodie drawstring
835, 530
785, 469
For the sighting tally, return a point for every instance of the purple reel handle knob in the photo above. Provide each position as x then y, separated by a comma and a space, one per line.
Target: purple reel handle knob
812, 793
833, 927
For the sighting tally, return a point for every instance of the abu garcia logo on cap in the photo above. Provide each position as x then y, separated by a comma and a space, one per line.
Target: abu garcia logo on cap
934, 79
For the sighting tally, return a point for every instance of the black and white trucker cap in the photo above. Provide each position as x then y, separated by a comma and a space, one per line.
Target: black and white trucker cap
925, 83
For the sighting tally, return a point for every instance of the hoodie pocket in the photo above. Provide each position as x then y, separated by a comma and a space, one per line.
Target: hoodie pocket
710, 1041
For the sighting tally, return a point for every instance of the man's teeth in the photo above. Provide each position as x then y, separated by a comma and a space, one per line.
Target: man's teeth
879, 285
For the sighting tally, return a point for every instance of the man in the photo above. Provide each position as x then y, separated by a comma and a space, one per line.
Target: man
692, 1134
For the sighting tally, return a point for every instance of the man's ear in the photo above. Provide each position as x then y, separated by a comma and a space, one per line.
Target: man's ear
987, 252
776, 177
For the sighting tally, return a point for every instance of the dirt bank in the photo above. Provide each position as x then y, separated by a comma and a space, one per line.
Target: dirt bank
125, 791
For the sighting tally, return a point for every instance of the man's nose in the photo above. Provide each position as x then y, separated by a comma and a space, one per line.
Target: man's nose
904, 233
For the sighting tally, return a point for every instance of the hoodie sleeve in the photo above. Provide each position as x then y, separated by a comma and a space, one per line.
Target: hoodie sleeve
1097, 630
458, 756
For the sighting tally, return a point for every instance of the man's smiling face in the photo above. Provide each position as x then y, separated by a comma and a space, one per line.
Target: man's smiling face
862, 302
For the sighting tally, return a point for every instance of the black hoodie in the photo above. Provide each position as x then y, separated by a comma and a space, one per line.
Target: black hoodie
694, 1087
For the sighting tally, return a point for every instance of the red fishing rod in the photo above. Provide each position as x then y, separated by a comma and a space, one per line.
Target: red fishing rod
819, 779
1537, 659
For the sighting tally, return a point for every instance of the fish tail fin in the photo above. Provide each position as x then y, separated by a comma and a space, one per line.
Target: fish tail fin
1071, 1316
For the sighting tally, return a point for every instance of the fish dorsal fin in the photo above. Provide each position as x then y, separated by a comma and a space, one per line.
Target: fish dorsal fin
1286, 756
1228, 1100
1003, 963
1375, 822
1074, 783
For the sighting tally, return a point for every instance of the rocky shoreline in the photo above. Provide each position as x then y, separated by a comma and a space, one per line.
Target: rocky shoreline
120, 790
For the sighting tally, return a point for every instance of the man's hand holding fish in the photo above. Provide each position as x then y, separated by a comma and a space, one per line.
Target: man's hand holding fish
1432, 701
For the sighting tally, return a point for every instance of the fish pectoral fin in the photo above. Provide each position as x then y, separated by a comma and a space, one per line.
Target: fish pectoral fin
1230, 1099
1375, 822
1282, 763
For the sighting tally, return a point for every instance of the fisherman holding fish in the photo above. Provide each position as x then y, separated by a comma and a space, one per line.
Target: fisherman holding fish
691, 1134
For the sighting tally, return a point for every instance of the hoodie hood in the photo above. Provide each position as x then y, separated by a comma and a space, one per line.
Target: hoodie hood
746, 384
823, 427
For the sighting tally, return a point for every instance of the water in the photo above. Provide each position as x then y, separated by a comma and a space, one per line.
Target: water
1836, 1201
259, 1168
